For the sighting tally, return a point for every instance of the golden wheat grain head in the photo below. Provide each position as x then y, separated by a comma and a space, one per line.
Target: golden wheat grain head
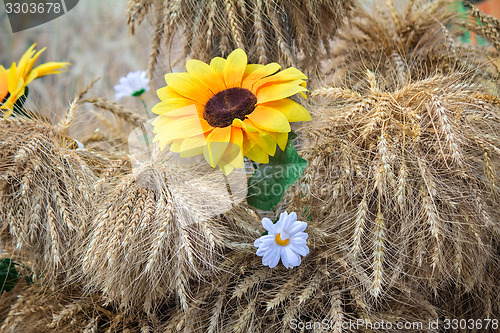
159, 229
408, 178
45, 195
402, 42
288, 32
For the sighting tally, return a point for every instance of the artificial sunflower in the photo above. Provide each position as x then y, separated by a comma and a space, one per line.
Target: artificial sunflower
13, 82
229, 109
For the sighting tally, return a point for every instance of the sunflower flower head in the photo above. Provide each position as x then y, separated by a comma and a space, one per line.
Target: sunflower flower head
13, 81
229, 109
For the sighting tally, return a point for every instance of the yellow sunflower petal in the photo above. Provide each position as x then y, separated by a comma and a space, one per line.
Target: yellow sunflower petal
178, 129
52, 67
234, 68
4, 83
282, 139
176, 145
218, 64
249, 69
279, 91
247, 127
193, 146
237, 136
174, 107
289, 74
31, 76
31, 63
167, 93
265, 141
25, 60
205, 74
253, 151
188, 86
232, 158
225, 167
13, 78
269, 119
292, 110
9, 103
217, 142
258, 74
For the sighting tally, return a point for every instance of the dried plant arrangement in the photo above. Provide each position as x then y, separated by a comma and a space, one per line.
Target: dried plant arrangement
159, 229
287, 32
236, 205
45, 194
409, 177
406, 41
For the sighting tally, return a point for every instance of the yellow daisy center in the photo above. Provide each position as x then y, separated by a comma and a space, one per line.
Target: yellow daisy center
281, 242
229, 104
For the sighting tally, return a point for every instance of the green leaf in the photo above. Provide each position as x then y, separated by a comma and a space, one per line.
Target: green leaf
269, 182
8, 275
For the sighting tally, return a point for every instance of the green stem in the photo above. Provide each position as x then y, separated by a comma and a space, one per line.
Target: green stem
145, 107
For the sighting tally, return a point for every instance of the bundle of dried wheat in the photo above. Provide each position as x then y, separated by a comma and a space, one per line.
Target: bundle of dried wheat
34, 309
248, 297
45, 194
323, 289
405, 41
409, 178
268, 30
158, 229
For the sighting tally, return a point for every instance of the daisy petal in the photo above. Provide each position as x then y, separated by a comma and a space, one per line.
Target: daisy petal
284, 256
234, 68
303, 250
300, 236
268, 225
293, 258
264, 241
275, 260
298, 226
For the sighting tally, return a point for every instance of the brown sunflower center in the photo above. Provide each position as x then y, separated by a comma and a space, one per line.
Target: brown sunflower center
229, 104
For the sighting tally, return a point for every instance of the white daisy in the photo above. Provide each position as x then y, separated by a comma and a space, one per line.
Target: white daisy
286, 240
134, 84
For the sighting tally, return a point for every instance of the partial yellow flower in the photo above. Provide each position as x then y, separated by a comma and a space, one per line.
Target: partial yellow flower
13, 81
229, 109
